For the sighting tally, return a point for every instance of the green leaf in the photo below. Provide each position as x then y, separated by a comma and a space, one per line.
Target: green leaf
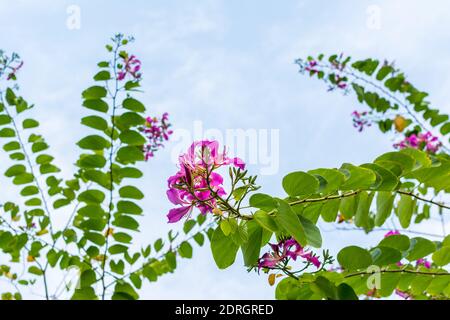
419, 248
223, 249
122, 237
300, 183
44, 159
10, 97
383, 256
15, 170
188, 226
199, 238
97, 105
133, 105
359, 178
39, 146
124, 291
94, 92
130, 154
398, 241
405, 208
333, 177
385, 203
262, 201
132, 138
348, 206
117, 249
92, 196
29, 191
95, 122
92, 161
289, 221
4, 119
403, 160
93, 142
131, 193
129, 207
312, 232
102, 76
23, 178
362, 211
131, 119
329, 210
11, 146
185, 250
130, 172
87, 278
252, 247
7, 133
84, 294
385, 179
345, 292
353, 258
30, 123
266, 221
442, 256
126, 222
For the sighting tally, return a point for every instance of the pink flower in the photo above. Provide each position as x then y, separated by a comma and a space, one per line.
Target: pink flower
423, 262
132, 67
422, 141
286, 249
360, 120
157, 132
392, 233
196, 184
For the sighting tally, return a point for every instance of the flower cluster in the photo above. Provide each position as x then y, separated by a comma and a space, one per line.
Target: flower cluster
157, 132
131, 67
360, 120
284, 250
197, 184
423, 141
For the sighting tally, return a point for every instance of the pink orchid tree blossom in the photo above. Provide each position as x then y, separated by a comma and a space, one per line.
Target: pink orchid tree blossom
157, 132
285, 250
131, 67
197, 184
422, 141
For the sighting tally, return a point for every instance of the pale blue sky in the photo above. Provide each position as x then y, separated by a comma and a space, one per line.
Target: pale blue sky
230, 65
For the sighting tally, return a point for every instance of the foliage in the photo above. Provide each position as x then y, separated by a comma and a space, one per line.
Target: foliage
101, 199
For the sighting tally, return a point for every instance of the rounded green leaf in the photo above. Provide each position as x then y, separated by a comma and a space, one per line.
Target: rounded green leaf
300, 183
97, 105
94, 92
133, 105
354, 257
93, 142
262, 201
95, 122
132, 138
397, 241
223, 249
419, 248
131, 193
30, 123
